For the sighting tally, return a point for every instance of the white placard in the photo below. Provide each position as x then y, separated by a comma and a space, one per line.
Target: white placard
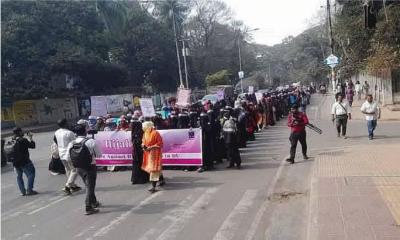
251, 89
147, 107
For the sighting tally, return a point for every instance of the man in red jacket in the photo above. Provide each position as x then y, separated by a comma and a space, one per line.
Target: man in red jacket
297, 122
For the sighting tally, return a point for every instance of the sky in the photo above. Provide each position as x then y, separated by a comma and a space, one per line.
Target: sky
276, 19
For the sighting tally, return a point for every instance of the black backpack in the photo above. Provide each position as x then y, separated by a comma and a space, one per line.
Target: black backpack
80, 155
10, 150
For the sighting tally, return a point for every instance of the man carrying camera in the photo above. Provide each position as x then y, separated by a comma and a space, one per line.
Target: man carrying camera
297, 122
22, 162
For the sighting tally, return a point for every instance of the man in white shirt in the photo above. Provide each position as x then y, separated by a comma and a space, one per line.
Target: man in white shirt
62, 137
83, 152
372, 113
341, 111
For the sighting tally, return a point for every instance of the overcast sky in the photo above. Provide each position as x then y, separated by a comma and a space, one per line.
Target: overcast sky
276, 19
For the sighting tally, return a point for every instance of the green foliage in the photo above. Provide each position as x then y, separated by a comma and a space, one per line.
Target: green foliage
385, 50
219, 78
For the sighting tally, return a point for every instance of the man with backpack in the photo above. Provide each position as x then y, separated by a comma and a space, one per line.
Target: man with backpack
62, 137
82, 153
17, 152
229, 130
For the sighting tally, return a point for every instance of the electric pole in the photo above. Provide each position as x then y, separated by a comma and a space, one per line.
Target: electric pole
333, 74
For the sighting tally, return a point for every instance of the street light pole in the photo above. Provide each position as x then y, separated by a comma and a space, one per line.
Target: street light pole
177, 49
184, 52
333, 74
240, 67
241, 74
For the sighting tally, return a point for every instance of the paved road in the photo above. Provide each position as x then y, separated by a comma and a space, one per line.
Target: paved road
267, 199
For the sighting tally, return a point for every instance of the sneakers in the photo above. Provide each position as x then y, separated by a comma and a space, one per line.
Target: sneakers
75, 188
90, 211
345, 137
54, 173
30, 193
290, 160
67, 190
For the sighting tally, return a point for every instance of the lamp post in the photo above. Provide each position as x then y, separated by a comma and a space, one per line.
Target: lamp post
185, 54
241, 73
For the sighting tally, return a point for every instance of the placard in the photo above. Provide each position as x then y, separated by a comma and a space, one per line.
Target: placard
147, 107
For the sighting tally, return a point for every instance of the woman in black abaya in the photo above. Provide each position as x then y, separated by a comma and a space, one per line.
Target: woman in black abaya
138, 175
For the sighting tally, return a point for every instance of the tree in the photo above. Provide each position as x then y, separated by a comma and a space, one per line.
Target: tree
219, 78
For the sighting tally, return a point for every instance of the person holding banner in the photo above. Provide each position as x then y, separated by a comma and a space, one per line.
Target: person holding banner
138, 175
152, 144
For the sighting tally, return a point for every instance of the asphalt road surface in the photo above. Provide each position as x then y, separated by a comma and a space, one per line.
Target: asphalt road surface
266, 199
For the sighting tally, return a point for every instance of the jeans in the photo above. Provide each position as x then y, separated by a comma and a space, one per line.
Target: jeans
298, 137
71, 173
29, 171
371, 124
89, 178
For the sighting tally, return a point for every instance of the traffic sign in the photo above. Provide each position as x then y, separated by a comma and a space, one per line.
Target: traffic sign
241, 74
332, 61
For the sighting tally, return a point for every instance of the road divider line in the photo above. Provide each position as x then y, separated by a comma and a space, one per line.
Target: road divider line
48, 205
257, 219
118, 220
168, 219
231, 223
179, 223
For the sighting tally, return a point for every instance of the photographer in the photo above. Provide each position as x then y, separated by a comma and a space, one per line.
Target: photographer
297, 122
22, 162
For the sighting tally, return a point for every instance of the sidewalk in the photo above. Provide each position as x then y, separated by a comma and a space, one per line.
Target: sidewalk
355, 194
38, 128
386, 113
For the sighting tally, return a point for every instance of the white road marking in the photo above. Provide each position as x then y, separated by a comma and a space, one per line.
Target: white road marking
48, 205
168, 219
254, 225
26, 235
24, 208
231, 223
104, 230
179, 223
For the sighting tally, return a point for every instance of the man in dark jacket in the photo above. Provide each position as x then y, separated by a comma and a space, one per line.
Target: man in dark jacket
23, 163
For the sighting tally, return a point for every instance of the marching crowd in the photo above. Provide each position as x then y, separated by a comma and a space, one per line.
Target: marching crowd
226, 126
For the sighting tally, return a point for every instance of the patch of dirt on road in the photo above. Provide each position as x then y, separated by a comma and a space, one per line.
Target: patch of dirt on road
284, 196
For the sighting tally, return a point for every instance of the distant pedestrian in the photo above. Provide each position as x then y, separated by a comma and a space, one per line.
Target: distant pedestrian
297, 122
358, 89
22, 162
349, 95
365, 88
372, 113
152, 144
341, 112
82, 153
62, 137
